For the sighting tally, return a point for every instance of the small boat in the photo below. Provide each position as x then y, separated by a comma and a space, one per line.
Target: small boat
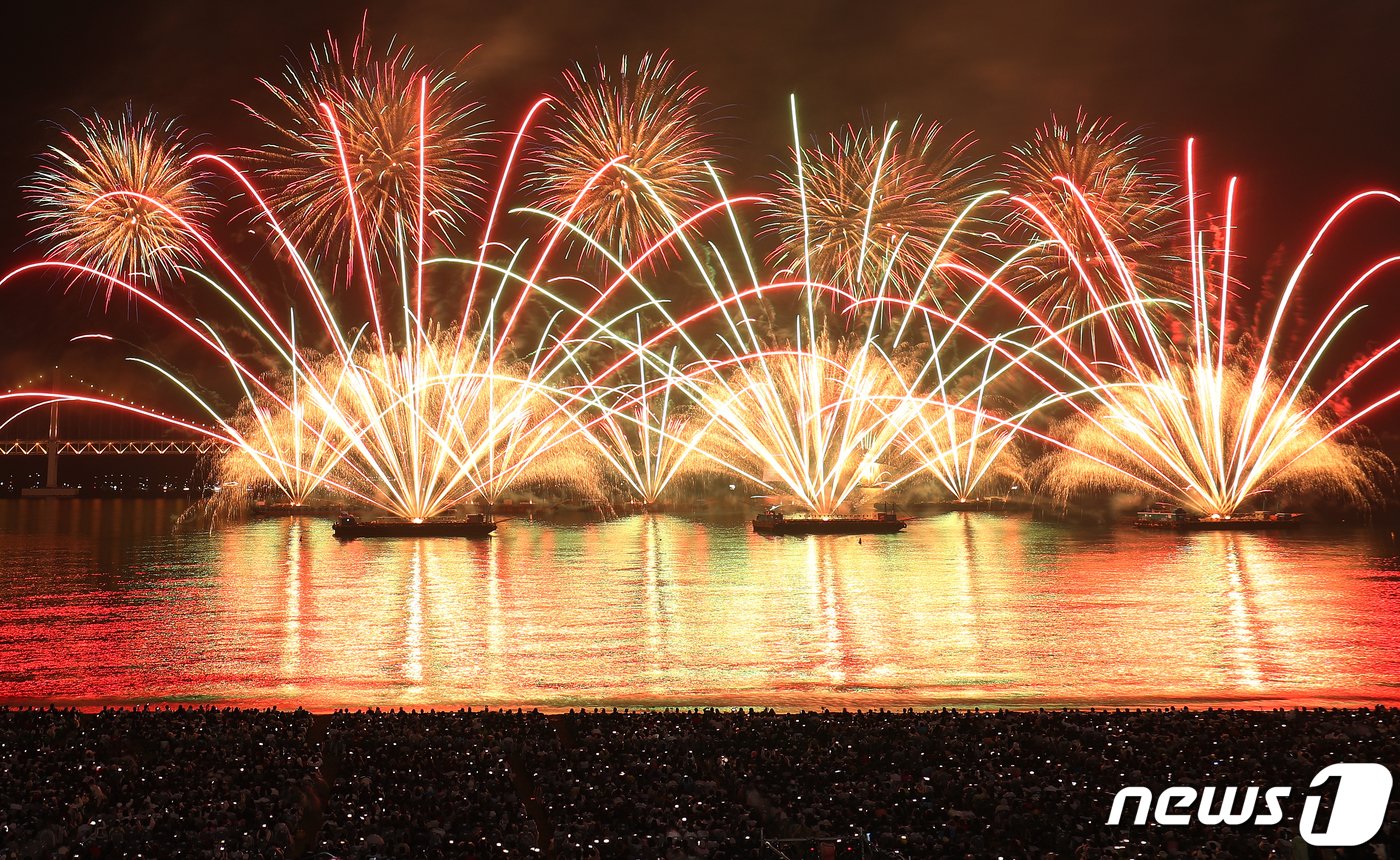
774, 522
1165, 516
349, 527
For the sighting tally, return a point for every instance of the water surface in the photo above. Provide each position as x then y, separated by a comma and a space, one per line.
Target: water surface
102, 602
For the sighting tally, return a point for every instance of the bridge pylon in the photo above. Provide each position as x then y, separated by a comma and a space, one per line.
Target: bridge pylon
51, 489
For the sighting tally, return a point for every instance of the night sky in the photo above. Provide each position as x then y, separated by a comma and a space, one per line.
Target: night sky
1298, 99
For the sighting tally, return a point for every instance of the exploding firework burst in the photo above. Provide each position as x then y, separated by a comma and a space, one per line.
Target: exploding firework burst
1128, 202
871, 209
645, 119
105, 198
360, 132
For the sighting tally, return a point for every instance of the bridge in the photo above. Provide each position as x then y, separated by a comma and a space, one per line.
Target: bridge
54, 446
43, 447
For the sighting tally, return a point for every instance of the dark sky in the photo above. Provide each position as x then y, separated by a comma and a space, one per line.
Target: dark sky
1292, 92
1302, 100
1299, 98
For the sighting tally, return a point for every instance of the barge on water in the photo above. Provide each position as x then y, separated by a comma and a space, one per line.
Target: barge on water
775, 522
349, 527
1165, 516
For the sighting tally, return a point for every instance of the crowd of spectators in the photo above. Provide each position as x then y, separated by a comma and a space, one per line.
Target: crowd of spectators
648, 785
1041, 783
426, 784
154, 783
661, 785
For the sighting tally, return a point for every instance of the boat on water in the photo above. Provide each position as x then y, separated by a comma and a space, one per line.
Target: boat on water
774, 522
349, 527
1166, 516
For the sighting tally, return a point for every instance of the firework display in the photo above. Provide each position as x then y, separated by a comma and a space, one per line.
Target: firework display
873, 209
1212, 418
79, 217
643, 121
356, 147
885, 323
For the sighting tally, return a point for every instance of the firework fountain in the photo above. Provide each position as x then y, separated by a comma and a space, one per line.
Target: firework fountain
1211, 418
395, 411
918, 325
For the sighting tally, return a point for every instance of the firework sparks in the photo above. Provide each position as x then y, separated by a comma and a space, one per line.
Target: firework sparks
104, 199
1189, 435
962, 449
648, 439
832, 423
288, 442
811, 423
645, 119
871, 209
1133, 205
358, 141
430, 426
1206, 420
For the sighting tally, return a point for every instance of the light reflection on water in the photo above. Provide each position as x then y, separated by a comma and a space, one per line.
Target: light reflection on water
101, 602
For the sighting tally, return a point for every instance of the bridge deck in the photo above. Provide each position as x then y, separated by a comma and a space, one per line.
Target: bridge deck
40, 447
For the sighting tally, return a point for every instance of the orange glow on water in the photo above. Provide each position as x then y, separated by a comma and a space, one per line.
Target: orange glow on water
102, 604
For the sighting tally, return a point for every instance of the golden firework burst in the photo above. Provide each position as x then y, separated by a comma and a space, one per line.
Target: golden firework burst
348, 162
647, 113
1133, 200
872, 208
114, 195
